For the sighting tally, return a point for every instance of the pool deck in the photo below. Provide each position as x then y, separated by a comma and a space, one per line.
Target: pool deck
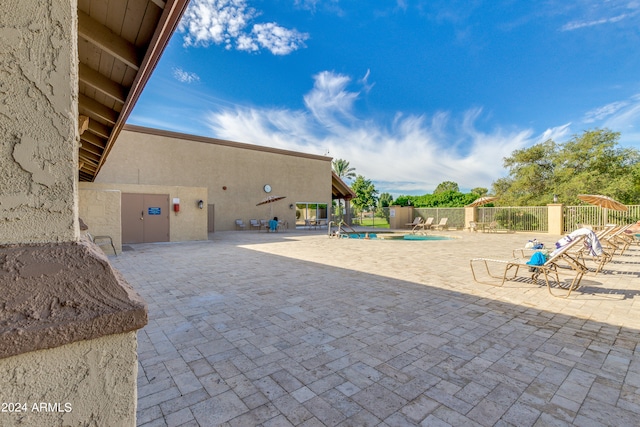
294, 328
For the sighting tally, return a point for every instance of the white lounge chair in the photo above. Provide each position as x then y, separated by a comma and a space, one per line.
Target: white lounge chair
560, 260
416, 221
442, 225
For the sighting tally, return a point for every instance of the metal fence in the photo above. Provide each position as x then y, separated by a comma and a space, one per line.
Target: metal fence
513, 218
577, 216
517, 218
455, 216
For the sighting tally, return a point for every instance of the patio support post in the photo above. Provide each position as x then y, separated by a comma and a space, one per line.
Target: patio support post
470, 214
68, 348
556, 218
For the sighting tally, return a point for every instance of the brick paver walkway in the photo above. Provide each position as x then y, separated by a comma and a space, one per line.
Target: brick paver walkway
297, 329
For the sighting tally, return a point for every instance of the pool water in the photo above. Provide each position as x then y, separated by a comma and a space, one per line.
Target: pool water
390, 236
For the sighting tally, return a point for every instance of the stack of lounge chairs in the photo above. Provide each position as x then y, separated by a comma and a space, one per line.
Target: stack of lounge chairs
569, 260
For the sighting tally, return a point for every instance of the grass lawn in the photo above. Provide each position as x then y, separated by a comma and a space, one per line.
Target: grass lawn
374, 222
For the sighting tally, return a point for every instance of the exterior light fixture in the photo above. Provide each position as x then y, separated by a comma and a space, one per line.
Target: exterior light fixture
201, 204
555, 198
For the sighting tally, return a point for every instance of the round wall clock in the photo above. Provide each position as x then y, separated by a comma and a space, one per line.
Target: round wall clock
267, 188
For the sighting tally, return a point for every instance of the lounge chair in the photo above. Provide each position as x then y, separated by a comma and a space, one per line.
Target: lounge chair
559, 260
416, 221
618, 240
97, 240
102, 241
473, 226
239, 224
254, 223
492, 227
423, 226
442, 225
593, 249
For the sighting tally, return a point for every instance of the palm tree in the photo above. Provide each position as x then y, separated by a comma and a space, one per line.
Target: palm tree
342, 169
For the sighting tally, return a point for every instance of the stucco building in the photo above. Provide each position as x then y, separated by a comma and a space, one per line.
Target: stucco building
235, 177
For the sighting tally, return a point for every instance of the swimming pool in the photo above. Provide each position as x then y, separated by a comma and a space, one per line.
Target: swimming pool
392, 236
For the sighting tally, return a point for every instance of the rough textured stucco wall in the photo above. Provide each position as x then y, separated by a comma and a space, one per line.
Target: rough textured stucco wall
189, 224
100, 210
38, 121
234, 176
83, 383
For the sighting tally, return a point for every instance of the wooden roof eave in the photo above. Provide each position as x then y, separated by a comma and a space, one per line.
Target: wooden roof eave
169, 20
339, 189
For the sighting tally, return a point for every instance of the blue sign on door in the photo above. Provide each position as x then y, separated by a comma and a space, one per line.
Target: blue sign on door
154, 211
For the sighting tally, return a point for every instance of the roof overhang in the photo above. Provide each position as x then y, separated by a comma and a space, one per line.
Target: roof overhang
339, 189
119, 45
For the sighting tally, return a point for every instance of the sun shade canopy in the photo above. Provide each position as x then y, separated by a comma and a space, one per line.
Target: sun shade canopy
602, 201
482, 201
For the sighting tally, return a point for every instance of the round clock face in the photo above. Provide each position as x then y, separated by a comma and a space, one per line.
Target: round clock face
267, 188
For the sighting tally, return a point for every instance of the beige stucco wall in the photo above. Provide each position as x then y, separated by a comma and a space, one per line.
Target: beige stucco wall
38, 124
403, 215
39, 204
188, 224
470, 214
556, 218
151, 159
91, 382
100, 210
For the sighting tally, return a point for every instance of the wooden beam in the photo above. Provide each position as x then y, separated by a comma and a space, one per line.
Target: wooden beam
85, 177
99, 129
98, 109
101, 36
83, 124
91, 149
102, 84
161, 4
94, 140
169, 21
88, 167
89, 157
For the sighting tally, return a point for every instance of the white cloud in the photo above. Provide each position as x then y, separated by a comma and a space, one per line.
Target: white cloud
593, 13
575, 25
226, 22
185, 76
307, 4
411, 153
626, 120
605, 111
277, 39
329, 101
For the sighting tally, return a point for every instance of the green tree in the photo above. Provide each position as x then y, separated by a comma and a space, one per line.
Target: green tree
385, 200
342, 169
443, 199
366, 193
587, 163
446, 186
532, 175
480, 191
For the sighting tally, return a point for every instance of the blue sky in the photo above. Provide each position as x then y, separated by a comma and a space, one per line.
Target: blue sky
411, 93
